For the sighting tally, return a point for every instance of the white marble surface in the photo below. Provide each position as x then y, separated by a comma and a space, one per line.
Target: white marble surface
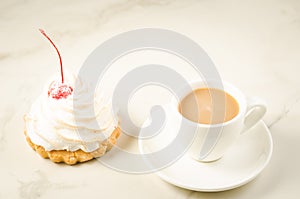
255, 45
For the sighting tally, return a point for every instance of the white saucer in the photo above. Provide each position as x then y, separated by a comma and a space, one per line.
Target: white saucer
241, 164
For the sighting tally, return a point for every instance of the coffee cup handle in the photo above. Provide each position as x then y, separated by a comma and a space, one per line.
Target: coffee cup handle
256, 109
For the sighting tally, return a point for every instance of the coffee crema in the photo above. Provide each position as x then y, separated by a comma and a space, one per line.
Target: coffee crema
208, 106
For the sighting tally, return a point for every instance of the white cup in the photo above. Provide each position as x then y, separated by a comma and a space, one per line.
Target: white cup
212, 140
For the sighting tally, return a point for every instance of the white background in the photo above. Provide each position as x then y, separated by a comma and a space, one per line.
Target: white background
255, 45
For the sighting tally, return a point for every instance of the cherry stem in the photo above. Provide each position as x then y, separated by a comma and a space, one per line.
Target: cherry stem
61, 67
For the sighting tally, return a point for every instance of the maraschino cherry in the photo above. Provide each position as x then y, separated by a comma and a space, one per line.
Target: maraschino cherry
58, 90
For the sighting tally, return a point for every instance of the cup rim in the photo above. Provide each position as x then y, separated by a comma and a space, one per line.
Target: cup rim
225, 85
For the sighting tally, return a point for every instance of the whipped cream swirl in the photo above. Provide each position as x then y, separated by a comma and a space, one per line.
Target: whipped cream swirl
71, 123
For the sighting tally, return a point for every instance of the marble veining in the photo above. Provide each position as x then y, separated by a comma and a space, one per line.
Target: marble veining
38, 186
254, 43
284, 113
35, 188
102, 13
6, 118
